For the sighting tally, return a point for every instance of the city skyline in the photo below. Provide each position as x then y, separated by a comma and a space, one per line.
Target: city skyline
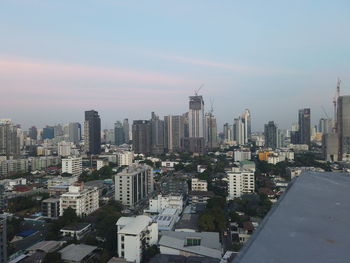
125, 63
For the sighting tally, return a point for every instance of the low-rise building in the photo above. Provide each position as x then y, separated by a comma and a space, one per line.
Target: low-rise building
162, 202
83, 200
78, 253
166, 219
51, 207
206, 244
199, 196
76, 231
134, 235
199, 185
100, 163
125, 158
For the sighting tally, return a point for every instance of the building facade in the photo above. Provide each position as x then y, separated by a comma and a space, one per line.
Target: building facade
83, 200
72, 165
134, 235
133, 184
240, 182
92, 132
305, 126
270, 133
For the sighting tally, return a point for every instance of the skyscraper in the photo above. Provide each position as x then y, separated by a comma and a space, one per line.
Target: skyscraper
142, 136
126, 127
33, 133
92, 132
343, 127
3, 239
238, 131
157, 134
246, 119
270, 133
211, 131
48, 133
305, 126
196, 117
174, 131
9, 139
74, 132
228, 136
119, 133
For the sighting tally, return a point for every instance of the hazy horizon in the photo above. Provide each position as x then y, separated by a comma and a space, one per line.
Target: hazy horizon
127, 59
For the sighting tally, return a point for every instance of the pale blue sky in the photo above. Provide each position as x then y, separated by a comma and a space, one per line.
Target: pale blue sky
128, 58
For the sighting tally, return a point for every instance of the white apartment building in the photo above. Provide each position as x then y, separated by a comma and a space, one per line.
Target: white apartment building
10, 167
160, 203
72, 165
125, 158
240, 182
242, 155
101, 163
83, 200
133, 184
135, 234
199, 185
64, 149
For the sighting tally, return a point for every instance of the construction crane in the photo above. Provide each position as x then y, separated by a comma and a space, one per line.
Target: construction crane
197, 90
211, 106
335, 100
324, 111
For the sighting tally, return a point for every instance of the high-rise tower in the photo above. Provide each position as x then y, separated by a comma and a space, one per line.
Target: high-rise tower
92, 132
305, 126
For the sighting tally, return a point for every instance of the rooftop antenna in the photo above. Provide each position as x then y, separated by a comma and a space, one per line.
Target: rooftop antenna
197, 90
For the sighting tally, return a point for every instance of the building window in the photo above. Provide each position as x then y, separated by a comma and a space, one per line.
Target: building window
193, 241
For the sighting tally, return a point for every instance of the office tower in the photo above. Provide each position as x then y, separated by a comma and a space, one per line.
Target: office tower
343, 127
92, 132
9, 139
281, 137
186, 125
330, 147
48, 133
109, 136
270, 133
325, 126
142, 136
119, 133
305, 126
126, 130
228, 136
196, 117
3, 239
133, 184
246, 119
211, 131
58, 130
174, 132
238, 131
157, 130
33, 133
74, 132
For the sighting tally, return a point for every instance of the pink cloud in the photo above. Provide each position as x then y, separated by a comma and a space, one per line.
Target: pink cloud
25, 68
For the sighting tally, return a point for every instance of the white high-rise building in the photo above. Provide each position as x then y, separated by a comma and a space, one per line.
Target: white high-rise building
72, 165
133, 184
83, 200
240, 182
64, 149
196, 117
134, 235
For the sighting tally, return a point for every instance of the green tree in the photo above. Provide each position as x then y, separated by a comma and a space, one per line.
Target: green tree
149, 253
52, 257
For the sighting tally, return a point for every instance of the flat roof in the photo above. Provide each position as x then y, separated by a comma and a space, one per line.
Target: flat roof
134, 225
75, 252
310, 223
